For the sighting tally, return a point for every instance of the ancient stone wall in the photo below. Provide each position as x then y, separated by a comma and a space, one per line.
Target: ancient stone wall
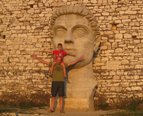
24, 30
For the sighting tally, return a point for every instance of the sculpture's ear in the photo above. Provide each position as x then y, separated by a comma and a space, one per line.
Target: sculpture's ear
97, 45
97, 42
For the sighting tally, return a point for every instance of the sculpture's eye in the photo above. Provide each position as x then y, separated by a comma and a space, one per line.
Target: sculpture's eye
60, 32
80, 32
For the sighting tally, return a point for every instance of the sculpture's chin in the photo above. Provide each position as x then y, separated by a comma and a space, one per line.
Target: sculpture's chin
82, 63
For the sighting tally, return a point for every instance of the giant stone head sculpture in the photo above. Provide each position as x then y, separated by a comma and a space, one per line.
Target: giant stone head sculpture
76, 28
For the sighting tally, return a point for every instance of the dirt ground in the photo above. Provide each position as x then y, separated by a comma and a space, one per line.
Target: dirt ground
43, 111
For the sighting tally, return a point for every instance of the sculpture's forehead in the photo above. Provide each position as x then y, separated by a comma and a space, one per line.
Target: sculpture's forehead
71, 20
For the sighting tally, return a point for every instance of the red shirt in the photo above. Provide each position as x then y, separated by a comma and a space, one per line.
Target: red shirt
59, 53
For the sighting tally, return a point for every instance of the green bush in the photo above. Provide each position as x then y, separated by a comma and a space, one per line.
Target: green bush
132, 104
127, 113
5, 110
25, 101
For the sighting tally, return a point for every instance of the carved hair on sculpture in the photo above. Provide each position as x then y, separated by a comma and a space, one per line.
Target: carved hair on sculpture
82, 11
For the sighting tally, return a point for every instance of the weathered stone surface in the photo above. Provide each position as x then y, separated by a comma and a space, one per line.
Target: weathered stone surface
79, 103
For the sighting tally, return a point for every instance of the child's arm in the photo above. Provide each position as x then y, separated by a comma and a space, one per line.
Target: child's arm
44, 62
47, 51
81, 58
71, 54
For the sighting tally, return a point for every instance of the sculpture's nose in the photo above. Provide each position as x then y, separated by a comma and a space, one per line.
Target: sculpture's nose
69, 37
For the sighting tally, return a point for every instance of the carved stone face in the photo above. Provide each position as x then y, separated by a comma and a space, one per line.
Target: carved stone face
76, 35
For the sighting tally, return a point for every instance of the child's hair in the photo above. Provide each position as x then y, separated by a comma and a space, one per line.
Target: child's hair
60, 45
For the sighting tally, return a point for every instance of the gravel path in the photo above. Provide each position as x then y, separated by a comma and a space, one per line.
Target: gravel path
43, 111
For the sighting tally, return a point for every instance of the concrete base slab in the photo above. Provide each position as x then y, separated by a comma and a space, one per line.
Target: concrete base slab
76, 103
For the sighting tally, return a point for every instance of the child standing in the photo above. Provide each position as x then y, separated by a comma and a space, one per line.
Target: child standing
60, 53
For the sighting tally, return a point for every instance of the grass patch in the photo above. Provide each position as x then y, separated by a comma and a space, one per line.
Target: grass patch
29, 106
24, 101
40, 106
20, 109
127, 113
134, 103
101, 104
6, 110
131, 104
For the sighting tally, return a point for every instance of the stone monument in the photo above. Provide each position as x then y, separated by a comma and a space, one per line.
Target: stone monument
76, 28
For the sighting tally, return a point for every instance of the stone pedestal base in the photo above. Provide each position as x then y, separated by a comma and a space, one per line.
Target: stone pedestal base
76, 103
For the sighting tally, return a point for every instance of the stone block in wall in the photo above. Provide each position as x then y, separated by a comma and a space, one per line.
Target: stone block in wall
130, 12
112, 89
105, 14
115, 0
128, 77
31, 2
112, 73
5, 52
125, 62
120, 36
100, 1
103, 47
116, 77
93, 1
108, 32
131, 47
118, 50
128, 89
136, 88
140, 83
8, 42
127, 36
119, 72
136, 41
112, 65
135, 28
139, 66
39, 45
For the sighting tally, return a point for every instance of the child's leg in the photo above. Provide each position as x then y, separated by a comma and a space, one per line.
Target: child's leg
64, 69
52, 67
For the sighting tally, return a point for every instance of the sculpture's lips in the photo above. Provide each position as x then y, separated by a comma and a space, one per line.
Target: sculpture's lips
70, 50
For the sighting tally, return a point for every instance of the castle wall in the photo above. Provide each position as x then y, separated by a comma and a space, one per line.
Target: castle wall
24, 30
